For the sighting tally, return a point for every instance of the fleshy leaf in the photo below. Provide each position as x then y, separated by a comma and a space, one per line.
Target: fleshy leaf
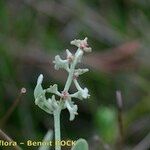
43, 103
76, 42
59, 63
38, 89
80, 71
81, 94
77, 95
40, 98
53, 88
82, 44
84, 93
81, 144
72, 109
53, 102
47, 105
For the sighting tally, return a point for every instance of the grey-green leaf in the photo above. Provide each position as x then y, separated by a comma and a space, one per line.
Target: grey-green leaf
38, 89
80, 71
81, 144
60, 63
53, 89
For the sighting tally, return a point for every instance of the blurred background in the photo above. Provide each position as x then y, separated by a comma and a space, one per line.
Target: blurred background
32, 32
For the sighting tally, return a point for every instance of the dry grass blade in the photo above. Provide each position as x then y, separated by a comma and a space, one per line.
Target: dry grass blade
120, 118
12, 108
5, 137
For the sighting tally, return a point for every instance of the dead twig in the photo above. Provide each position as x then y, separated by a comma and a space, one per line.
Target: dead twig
5, 137
120, 118
12, 108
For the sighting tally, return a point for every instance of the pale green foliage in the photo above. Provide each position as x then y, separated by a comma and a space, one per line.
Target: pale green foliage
53, 106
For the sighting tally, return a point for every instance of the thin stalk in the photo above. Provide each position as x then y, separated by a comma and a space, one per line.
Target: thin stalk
57, 129
4, 136
12, 108
72, 68
120, 118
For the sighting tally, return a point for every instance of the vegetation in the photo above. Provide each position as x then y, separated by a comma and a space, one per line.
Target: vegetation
33, 32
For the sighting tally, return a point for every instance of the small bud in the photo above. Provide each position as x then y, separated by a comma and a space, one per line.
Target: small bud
23, 90
82, 44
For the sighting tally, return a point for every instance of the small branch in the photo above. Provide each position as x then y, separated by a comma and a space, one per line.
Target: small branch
5, 137
120, 117
12, 108
72, 68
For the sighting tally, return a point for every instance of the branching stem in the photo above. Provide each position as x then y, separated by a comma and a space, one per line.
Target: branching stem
72, 68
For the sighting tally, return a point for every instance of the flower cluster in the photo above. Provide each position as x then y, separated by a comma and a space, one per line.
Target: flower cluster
51, 105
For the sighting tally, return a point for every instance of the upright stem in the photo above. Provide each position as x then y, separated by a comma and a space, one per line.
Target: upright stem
57, 112
57, 129
72, 68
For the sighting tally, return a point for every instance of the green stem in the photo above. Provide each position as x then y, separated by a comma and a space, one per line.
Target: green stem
57, 129
72, 68
57, 112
